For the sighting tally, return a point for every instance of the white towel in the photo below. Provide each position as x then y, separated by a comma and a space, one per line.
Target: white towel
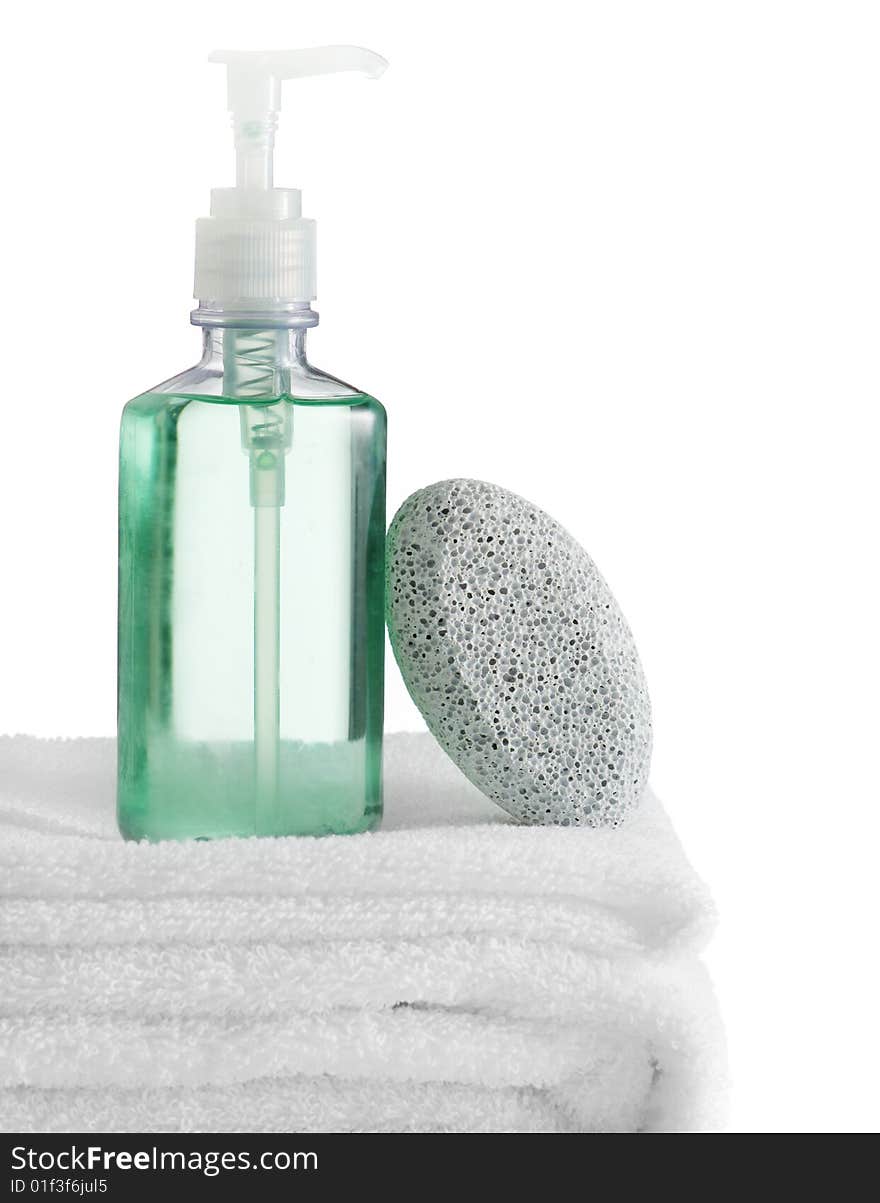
450, 972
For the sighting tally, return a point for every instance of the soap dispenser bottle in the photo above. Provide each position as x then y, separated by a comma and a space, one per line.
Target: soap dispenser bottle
252, 532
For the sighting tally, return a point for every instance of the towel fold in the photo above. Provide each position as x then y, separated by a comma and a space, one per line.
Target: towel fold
325, 1105
452, 972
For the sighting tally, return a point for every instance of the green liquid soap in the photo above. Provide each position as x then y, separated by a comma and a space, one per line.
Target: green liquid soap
251, 628
252, 530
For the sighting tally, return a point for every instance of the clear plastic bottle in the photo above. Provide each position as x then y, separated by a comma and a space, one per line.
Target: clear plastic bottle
251, 544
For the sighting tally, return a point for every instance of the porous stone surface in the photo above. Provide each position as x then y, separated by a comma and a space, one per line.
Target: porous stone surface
516, 653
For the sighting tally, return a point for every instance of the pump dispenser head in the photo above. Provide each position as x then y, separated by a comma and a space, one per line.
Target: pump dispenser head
256, 252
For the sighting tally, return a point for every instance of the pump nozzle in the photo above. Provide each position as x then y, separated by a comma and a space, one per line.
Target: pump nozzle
256, 250
254, 79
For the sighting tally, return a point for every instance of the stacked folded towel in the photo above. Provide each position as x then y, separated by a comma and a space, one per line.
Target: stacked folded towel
452, 972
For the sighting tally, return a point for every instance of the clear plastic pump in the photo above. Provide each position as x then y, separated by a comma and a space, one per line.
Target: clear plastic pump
256, 250
254, 79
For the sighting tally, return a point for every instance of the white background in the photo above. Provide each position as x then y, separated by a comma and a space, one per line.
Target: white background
622, 258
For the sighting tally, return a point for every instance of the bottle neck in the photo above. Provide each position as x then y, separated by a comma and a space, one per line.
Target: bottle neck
283, 348
254, 315
256, 363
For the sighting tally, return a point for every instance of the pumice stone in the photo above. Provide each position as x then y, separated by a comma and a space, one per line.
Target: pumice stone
516, 653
